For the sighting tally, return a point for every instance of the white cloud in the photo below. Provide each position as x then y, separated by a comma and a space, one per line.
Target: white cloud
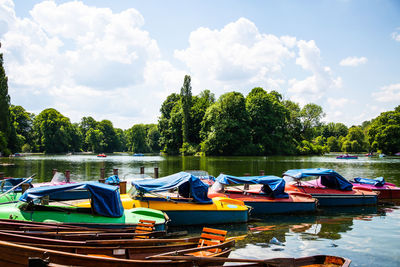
85, 61
237, 56
353, 61
335, 103
389, 93
314, 87
89, 61
396, 35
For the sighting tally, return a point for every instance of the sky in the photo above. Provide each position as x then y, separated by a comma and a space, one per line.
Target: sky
119, 60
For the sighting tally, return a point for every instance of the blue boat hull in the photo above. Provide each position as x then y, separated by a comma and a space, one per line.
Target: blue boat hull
201, 217
345, 200
280, 207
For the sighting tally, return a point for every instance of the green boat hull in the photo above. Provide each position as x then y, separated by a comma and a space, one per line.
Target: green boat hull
10, 197
80, 216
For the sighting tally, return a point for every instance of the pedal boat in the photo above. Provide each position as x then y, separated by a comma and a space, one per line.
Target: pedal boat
386, 190
105, 209
11, 189
183, 197
265, 194
330, 188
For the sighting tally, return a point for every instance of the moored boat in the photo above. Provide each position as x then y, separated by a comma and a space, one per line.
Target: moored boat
11, 189
188, 205
265, 194
105, 209
386, 190
347, 156
330, 188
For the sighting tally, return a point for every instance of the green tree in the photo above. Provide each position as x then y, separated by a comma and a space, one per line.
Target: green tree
225, 128
268, 117
95, 140
5, 125
384, 132
357, 140
186, 98
136, 139
85, 125
110, 137
54, 132
170, 124
153, 138
310, 116
23, 125
333, 144
200, 105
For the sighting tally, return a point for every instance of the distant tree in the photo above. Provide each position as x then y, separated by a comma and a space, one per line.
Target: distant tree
310, 116
110, 137
200, 105
357, 140
23, 125
170, 124
95, 140
333, 144
384, 132
153, 138
186, 98
54, 132
136, 139
268, 117
225, 128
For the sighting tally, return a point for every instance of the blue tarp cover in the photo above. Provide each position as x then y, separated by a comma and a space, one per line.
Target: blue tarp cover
272, 185
9, 183
105, 198
329, 178
112, 180
379, 181
189, 186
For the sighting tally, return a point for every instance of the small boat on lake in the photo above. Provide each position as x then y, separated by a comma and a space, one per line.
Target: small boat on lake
330, 188
138, 155
102, 155
183, 197
347, 156
105, 209
386, 190
265, 194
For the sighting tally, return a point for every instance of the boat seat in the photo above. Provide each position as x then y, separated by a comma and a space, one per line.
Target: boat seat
210, 237
144, 227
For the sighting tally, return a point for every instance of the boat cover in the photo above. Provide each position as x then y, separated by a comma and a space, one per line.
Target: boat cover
272, 185
112, 180
329, 178
189, 186
105, 199
379, 181
9, 183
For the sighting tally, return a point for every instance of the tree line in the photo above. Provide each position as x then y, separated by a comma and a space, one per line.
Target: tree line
261, 123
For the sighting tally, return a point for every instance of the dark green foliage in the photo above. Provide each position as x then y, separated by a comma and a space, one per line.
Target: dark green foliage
384, 132
186, 98
54, 132
22, 122
5, 125
225, 128
267, 117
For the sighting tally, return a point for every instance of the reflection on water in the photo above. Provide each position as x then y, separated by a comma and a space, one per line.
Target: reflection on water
367, 235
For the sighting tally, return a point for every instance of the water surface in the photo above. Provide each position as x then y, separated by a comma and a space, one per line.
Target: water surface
369, 236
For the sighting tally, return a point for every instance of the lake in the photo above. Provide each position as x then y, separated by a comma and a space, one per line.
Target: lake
369, 236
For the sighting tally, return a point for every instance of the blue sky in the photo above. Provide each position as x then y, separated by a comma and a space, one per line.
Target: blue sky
118, 60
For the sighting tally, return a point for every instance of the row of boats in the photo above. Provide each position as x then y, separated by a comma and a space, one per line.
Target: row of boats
50, 215
187, 199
